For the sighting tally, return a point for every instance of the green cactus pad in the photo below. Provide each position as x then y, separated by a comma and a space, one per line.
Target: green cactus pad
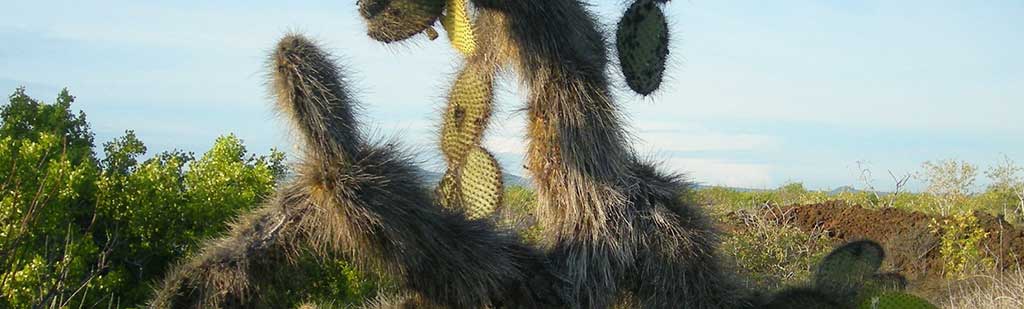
395, 20
846, 270
642, 42
473, 186
895, 300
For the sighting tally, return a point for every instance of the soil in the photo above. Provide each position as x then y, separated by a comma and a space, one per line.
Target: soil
908, 237
911, 245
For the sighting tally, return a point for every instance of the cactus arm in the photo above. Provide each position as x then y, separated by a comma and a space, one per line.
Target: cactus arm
222, 274
614, 225
359, 199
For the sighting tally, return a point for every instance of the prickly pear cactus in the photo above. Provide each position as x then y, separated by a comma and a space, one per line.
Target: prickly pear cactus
642, 41
617, 231
472, 182
396, 20
846, 269
894, 300
848, 277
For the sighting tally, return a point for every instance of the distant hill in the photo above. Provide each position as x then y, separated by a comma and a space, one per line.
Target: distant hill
433, 178
843, 189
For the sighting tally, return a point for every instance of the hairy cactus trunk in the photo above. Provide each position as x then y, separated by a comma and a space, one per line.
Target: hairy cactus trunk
359, 199
614, 226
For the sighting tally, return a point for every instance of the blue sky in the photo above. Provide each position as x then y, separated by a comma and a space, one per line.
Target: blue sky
758, 93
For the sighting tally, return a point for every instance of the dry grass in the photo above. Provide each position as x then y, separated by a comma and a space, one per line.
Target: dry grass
772, 255
1004, 290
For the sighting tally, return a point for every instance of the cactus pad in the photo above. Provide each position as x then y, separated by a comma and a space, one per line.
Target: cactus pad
473, 180
480, 181
458, 24
467, 113
895, 300
395, 20
473, 186
642, 42
845, 271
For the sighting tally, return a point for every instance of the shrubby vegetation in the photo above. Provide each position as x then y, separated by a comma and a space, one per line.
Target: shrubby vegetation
77, 229
771, 252
772, 255
960, 245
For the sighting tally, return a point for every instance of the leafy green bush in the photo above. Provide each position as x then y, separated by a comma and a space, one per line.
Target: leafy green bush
80, 231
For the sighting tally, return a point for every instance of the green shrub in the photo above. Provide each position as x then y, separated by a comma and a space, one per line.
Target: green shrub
773, 254
960, 245
77, 231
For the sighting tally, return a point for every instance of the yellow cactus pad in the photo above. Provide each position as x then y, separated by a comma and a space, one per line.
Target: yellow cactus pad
448, 191
459, 25
467, 113
480, 181
473, 186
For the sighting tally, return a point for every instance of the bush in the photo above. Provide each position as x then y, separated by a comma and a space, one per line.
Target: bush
950, 182
772, 253
960, 245
77, 231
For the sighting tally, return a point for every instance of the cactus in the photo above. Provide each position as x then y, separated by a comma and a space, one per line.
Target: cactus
894, 300
357, 198
846, 269
395, 20
472, 182
458, 24
642, 40
848, 278
617, 231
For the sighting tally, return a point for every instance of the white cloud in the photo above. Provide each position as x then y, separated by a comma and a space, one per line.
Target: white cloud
721, 172
655, 136
708, 141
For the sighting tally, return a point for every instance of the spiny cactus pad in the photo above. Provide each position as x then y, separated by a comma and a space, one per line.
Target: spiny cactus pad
395, 20
458, 24
895, 300
473, 186
642, 41
465, 117
480, 181
473, 180
844, 271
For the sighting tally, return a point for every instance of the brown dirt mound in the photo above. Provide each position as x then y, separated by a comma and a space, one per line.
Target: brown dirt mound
912, 247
